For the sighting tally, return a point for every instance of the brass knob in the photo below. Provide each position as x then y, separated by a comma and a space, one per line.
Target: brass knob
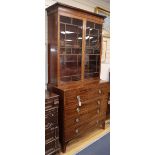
99, 91
78, 110
77, 131
98, 102
77, 120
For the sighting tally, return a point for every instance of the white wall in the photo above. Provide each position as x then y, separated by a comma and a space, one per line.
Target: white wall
83, 4
88, 5
105, 66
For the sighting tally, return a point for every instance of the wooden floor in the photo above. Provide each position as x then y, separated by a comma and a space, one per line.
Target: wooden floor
80, 143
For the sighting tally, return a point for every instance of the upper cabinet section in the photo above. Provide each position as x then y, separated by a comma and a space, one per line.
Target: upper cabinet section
74, 45
70, 49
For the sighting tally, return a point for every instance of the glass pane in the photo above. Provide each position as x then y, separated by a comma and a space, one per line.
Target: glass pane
62, 34
65, 19
92, 51
77, 22
70, 49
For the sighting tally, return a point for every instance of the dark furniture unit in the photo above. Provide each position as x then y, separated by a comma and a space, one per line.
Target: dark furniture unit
74, 60
52, 146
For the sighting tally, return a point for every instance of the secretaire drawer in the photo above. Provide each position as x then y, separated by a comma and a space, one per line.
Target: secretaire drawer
84, 96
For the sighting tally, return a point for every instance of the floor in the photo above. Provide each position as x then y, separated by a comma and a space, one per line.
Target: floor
82, 142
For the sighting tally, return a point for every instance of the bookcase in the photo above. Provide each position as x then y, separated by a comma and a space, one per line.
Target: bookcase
74, 63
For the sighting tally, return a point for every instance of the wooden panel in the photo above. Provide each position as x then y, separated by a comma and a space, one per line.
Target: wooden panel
80, 15
52, 48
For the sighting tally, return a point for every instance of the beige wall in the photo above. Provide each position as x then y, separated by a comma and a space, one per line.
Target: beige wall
88, 5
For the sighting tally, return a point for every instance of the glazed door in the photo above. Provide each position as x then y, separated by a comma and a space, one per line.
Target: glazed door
92, 50
71, 30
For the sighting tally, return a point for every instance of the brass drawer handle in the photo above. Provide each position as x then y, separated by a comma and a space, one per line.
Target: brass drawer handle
98, 102
77, 131
79, 101
78, 110
98, 111
99, 91
77, 120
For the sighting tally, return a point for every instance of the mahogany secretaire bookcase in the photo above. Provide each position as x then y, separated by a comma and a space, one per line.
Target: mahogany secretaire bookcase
74, 63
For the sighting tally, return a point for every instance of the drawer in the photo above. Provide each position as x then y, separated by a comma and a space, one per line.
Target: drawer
52, 133
49, 134
80, 119
83, 118
87, 94
49, 145
84, 95
50, 103
51, 118
75, 110
75, 131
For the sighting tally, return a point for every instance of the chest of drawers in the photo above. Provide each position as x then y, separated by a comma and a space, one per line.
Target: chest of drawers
52, 146
82, 108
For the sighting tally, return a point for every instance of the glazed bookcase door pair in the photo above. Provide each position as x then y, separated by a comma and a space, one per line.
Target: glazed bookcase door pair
80, 47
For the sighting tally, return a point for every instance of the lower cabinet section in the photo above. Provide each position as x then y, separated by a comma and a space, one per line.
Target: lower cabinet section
81, 108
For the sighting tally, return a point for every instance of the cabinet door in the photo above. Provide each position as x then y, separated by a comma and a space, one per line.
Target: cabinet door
70, 49
92, 50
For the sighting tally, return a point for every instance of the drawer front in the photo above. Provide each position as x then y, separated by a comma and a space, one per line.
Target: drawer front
83, 95
87, 94
75, 131
49, 133
82, 119
52, 133
75, 110
51, 140
50, 103
51, 118
49, 145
